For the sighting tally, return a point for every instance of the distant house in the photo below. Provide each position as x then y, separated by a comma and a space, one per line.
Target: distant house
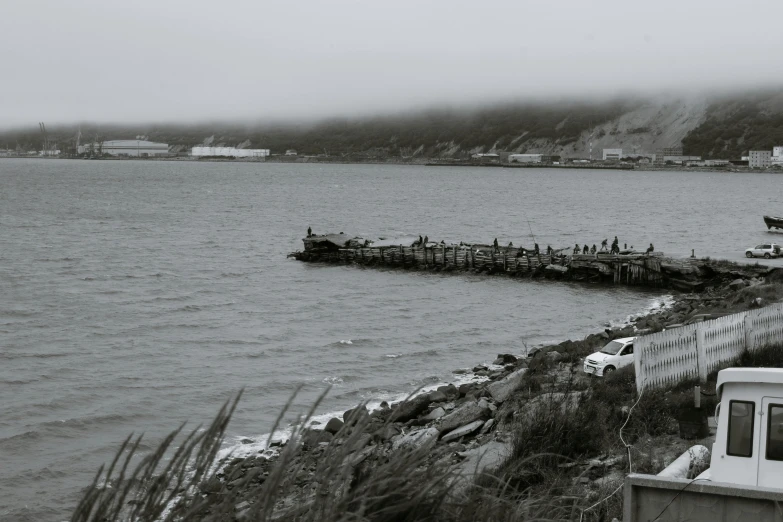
613, 154
759, 159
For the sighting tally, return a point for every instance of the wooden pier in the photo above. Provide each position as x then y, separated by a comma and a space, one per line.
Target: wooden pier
627, 268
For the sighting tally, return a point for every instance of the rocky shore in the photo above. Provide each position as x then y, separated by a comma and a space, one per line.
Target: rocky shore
474, 428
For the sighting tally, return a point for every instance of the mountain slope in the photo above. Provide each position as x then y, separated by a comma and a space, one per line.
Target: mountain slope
724, 127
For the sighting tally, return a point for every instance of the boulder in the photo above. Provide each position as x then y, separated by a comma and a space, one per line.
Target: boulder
487, 426
465, 414
466, 388
437, 396
386, 432
419, 439
737, 284
554, 356
333, 426
355, 414
311, 438
462, 431
479, 368
410, 409
505, 358
435, 414
502, 389
449, 389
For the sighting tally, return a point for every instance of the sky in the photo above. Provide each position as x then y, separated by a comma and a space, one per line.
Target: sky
186, 61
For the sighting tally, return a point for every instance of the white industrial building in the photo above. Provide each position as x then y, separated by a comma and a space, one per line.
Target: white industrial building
777, 156
229, 152
613, 154
134, 148
760, 159
525, 158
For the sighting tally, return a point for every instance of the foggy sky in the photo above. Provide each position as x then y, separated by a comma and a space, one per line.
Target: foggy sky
177, 60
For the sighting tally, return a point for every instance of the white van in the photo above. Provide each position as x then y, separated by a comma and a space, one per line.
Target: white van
748, 446
613, 356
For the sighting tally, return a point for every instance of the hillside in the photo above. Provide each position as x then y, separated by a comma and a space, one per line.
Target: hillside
725, 127
735, 125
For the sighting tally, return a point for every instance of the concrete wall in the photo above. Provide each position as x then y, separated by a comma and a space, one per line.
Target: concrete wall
653, 498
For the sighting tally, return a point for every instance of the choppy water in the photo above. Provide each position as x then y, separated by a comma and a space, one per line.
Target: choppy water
137, 295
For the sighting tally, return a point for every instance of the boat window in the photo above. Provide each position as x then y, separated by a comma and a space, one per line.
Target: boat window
741, 416
775, 432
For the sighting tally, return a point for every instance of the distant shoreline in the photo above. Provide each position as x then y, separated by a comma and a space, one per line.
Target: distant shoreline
432, 162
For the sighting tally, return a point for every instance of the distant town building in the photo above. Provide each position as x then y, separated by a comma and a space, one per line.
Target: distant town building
613, 154
525, 158
663, 152
134, 148
229, 152
679, 160
708, 163
777, 156
759, 159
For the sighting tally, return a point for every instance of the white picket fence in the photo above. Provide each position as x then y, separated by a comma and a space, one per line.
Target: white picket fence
666, 358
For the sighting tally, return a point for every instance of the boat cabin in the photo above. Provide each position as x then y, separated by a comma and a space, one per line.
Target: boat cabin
748, 446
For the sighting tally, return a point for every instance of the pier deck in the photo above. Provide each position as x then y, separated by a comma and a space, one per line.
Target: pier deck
628, 268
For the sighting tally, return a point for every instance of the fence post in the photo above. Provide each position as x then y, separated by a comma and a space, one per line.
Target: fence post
748, 326
637, 362
701, 353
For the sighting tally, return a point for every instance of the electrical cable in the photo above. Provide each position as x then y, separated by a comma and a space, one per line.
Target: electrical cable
675, 498
628, 449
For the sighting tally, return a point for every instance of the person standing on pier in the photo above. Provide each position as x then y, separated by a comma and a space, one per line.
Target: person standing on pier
615, 245
604, 244
421, 240
592, 249
309, 232
576, 248
537, 251
495, 244
585, 250
426, 240
549, 250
